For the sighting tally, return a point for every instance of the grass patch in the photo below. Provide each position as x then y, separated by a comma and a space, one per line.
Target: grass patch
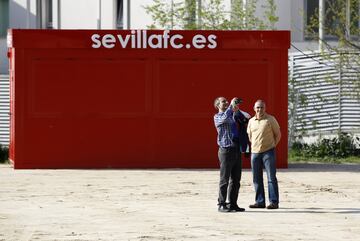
295, 158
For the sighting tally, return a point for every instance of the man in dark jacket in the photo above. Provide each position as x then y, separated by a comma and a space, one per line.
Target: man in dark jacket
229, 154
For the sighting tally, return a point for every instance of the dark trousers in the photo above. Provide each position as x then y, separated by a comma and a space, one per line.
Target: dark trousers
230, 174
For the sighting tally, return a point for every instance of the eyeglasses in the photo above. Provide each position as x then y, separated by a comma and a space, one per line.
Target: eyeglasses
259, 107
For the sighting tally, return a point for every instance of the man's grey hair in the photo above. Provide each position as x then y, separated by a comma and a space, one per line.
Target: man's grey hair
260, 101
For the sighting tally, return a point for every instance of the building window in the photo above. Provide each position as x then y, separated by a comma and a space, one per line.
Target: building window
44, 14
119, 21
334, 19
4, 17
355, 20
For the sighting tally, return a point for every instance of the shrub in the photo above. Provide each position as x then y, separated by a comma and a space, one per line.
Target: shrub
339, 147
4, 153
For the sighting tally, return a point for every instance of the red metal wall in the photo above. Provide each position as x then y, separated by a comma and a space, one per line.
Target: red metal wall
75, 106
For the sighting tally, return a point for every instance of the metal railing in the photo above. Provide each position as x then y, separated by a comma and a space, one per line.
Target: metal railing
324, 94
4, 110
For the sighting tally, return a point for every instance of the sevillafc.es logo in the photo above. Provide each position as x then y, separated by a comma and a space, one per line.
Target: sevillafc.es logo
140, 39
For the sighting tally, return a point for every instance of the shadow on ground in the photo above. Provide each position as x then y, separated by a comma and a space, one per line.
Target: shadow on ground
322, 167
312, 210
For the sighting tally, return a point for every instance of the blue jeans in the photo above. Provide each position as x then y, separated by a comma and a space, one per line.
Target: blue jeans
258, 162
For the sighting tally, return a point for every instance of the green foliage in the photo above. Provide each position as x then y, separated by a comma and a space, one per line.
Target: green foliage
343, 146
336, 23
163, 14
211, 15
270, 13
340, 24
189, 14
4, 154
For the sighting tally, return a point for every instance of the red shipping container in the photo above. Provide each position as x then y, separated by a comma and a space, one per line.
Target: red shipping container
137, 99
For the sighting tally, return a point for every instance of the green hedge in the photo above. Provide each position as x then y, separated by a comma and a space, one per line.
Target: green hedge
343, 146
4, 154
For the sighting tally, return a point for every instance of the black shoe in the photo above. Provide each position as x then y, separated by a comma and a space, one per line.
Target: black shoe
273, 206
257, 205
236, 208
223, 209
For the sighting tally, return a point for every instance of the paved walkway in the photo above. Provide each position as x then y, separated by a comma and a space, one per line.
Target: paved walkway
318, 202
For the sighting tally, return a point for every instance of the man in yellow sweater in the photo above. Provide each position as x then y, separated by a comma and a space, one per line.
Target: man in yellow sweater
264, 135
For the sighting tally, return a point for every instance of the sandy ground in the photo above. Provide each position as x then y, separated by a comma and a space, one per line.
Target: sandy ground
318, 202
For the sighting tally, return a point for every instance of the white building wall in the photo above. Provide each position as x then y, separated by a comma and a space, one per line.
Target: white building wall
56, 21
283, 11
79, 14
108, 14
4, 64
139, 18
89, 14
22, 14
297, 20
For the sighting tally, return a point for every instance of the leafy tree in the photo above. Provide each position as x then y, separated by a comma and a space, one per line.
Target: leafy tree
190, 14
341, 23
340, 56
342, 31
211, 15
270, 13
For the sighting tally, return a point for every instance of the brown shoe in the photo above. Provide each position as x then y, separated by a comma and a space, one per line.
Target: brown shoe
273, 206
257, 205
